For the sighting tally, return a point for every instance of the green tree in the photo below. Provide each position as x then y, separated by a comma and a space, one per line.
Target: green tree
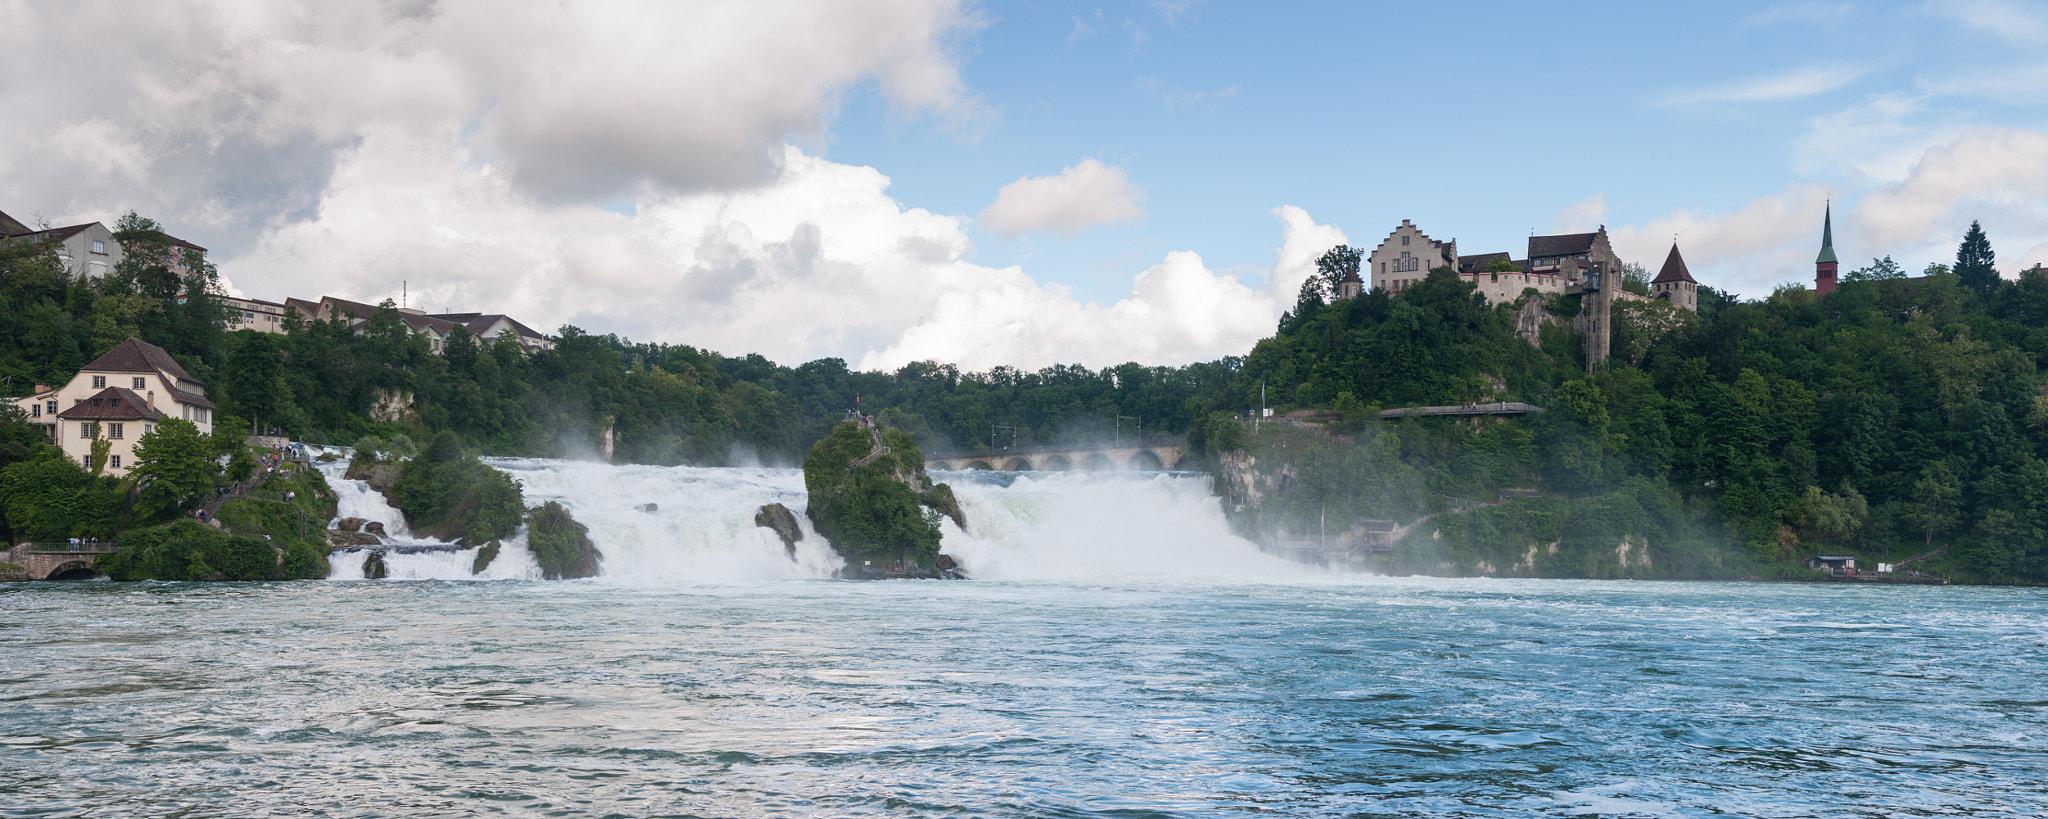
1976, 265
1334, 265
1940, 492
1877, 270
174, 466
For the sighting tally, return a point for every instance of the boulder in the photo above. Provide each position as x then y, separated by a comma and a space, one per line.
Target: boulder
378, 476
349, 524
940, 498
484, 556
375, 528
340, 539
778, 518
373, 567
649, 508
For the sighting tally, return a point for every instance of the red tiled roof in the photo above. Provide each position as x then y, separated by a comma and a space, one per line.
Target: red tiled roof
138, 356
112, 404
1568, 244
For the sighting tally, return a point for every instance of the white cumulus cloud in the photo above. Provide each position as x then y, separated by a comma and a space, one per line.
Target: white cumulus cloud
1079, 197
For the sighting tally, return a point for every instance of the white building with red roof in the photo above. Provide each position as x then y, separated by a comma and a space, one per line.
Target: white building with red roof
119, 397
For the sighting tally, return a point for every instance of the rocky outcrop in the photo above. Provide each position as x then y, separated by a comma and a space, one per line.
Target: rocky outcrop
349, 524
649, 508
379, 476
940, 499
869, 496
342, 539
375, 528
780, 520
560, 544
373, 567
484, 556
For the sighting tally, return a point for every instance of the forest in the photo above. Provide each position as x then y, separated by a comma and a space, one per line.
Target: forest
1892, 415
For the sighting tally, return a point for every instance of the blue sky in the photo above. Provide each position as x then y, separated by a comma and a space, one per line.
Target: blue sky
1006, 183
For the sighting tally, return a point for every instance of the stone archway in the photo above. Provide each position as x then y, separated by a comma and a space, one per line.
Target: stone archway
1017, 465
981, 465
1146, 460
940, 465
1057, 463
73, 570
1098, 462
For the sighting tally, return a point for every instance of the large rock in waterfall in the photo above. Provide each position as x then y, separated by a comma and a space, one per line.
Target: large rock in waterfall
559, 544
782, 522
870, 497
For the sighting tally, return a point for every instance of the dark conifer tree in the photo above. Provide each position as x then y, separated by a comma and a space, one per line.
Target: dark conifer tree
1975, 262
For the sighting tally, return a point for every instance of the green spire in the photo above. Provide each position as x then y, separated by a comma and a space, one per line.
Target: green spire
1827, 237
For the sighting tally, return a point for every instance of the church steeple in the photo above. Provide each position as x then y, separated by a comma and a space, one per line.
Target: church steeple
1824, 266
1827, 236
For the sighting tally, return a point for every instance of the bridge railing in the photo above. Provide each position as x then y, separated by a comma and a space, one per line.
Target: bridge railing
90, 548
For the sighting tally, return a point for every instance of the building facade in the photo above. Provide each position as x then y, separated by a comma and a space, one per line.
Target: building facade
1407, 256
118, 398
254, 314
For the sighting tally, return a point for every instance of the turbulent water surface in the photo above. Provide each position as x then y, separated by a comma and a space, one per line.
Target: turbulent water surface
1122, 657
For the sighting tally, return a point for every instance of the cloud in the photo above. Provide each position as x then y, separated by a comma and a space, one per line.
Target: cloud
822, 262
1876, 139
1582, 216
231, 116
1996, 176
2012, 22
1794, 84
1770, 239
1080, 197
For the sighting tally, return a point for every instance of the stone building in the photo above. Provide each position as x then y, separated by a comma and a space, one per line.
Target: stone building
254, 314
1407, 256
118, 398
1675, 284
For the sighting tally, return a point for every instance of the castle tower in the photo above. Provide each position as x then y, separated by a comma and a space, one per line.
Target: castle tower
1675, 284
1348, 287
1824, 266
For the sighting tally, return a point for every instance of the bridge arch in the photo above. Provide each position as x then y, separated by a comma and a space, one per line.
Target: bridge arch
1017, 464
1098, 462
939, 465
1055, 463
981, 465
1146, 460
72, 570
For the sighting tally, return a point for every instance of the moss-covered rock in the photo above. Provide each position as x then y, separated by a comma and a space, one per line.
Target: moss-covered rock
869, 495
484, 555
447, 494
559, 544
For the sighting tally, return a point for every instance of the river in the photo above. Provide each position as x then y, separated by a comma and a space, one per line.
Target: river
1121, 656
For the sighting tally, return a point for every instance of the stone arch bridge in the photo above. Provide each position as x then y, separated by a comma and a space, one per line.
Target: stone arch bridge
51, 561
1148, 457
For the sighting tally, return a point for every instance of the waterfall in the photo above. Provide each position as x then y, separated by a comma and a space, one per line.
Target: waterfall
693, 524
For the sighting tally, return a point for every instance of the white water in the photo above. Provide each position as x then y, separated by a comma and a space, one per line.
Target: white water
1031, 526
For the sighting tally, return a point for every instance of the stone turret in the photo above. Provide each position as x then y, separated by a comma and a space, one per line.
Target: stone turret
1675, 284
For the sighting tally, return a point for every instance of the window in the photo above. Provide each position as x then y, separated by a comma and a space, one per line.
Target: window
99, 382
141, 383
53, 408
114, 432
115, 461
99, 247
1404, 241
35, 411
147, 427
88, 430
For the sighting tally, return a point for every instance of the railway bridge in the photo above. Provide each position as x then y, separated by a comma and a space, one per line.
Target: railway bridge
1154, 456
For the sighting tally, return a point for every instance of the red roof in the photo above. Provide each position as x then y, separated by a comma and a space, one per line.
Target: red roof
112, 404
138, 356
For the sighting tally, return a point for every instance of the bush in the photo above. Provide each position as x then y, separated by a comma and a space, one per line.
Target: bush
559, 544
189, 550
872, 512
447, 493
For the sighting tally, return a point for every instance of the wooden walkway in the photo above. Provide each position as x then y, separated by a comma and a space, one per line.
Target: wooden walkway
1494, 408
